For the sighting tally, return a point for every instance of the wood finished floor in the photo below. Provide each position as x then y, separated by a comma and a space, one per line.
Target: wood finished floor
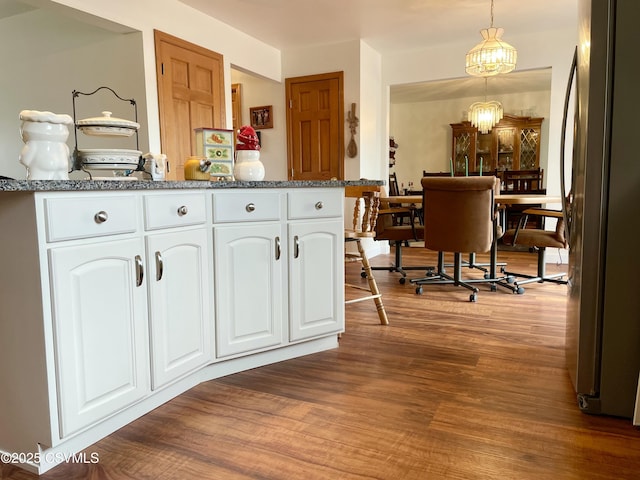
449, 390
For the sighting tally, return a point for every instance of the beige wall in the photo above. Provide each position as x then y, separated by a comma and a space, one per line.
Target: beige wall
423, 131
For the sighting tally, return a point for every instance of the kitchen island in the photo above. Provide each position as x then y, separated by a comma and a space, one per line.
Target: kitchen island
119, 295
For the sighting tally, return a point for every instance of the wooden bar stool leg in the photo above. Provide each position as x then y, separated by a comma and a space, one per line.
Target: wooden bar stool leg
373, 286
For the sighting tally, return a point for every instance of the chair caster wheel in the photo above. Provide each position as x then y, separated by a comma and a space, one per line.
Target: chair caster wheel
520, 290
511, 279
473, 297
419, 290
494, 288
363, 274
403, 281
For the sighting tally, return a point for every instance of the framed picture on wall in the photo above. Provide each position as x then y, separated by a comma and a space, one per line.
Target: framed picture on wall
261, 117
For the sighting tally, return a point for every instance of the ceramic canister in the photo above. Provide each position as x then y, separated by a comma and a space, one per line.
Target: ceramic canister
45, 154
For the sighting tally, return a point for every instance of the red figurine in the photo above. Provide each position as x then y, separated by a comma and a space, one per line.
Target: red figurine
247, 139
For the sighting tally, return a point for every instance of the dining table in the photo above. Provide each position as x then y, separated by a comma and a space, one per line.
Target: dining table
501, 199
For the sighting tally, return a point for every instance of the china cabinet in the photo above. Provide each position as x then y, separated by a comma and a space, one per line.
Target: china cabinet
513, 144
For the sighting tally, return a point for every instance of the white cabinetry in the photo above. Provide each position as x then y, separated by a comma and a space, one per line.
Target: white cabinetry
100, 325
114, 302
99, 307
180, 288
316, 265
249, 271
269, 291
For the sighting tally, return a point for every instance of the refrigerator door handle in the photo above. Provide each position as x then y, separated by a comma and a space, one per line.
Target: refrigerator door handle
563, 188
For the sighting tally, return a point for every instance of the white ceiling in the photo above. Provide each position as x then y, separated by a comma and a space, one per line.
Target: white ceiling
399, 25
386, 25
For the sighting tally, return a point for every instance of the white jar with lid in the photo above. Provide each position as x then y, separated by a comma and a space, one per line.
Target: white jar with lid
45, 154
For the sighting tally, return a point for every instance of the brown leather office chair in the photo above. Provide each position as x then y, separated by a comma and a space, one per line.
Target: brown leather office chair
539, 240
459, 217
365, 215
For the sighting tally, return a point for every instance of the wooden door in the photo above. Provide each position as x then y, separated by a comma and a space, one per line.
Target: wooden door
236, 109
190, 95
315, 127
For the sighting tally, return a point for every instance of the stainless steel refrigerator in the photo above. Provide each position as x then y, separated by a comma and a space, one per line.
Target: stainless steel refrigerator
603, 314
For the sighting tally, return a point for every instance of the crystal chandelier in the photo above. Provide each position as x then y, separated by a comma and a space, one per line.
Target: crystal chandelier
485, 115
493, 55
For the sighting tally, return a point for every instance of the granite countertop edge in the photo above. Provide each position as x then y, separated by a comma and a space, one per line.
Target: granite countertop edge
106, 185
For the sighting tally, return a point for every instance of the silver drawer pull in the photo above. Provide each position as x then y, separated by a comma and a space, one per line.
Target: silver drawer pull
183, 210
278, 249
319, 205
101, 217
139, 270
159, 266
296, 247
250, 207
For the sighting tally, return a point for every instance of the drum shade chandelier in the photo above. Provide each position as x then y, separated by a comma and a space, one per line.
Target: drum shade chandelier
485, 115
493, 55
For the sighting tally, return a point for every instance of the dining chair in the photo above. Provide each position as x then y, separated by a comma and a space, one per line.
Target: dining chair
366, 206
538, 240
522, 181
399, 236
459, 217
400, 215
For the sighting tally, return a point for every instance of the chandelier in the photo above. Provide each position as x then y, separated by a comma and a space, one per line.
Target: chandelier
485, 115
493, 55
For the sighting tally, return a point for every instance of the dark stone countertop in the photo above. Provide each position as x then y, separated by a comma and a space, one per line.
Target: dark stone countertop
110, 185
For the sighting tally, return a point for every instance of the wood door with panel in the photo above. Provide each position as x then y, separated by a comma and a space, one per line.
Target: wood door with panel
315, 127
191, 95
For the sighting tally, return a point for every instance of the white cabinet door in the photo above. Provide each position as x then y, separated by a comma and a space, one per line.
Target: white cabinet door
100, 323
179, 301
250, 289
316, 278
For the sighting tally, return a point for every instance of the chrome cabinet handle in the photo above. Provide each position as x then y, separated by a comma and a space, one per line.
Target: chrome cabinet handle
296, 247
139, 270
319, 205
278, 250
101, 217
159, 266
183, 210
250, 207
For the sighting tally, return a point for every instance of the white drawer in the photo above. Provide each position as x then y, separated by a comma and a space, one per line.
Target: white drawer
68, 218
174, 210
246, 206
315, 203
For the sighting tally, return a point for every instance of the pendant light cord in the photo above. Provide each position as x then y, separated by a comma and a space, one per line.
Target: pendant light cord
491, 13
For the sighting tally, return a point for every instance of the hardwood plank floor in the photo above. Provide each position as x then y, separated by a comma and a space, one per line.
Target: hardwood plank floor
449, 390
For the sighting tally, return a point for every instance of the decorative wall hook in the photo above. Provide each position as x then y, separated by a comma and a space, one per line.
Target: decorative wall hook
352, 148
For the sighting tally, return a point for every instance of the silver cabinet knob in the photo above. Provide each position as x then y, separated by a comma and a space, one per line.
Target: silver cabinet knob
183, 210
101, 217
319, 205
250, 207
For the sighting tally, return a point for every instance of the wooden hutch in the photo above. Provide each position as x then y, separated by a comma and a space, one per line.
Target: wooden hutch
513, 144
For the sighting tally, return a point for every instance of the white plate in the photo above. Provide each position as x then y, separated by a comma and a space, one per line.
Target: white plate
126, 179
104, 131
110, 166
109, 156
